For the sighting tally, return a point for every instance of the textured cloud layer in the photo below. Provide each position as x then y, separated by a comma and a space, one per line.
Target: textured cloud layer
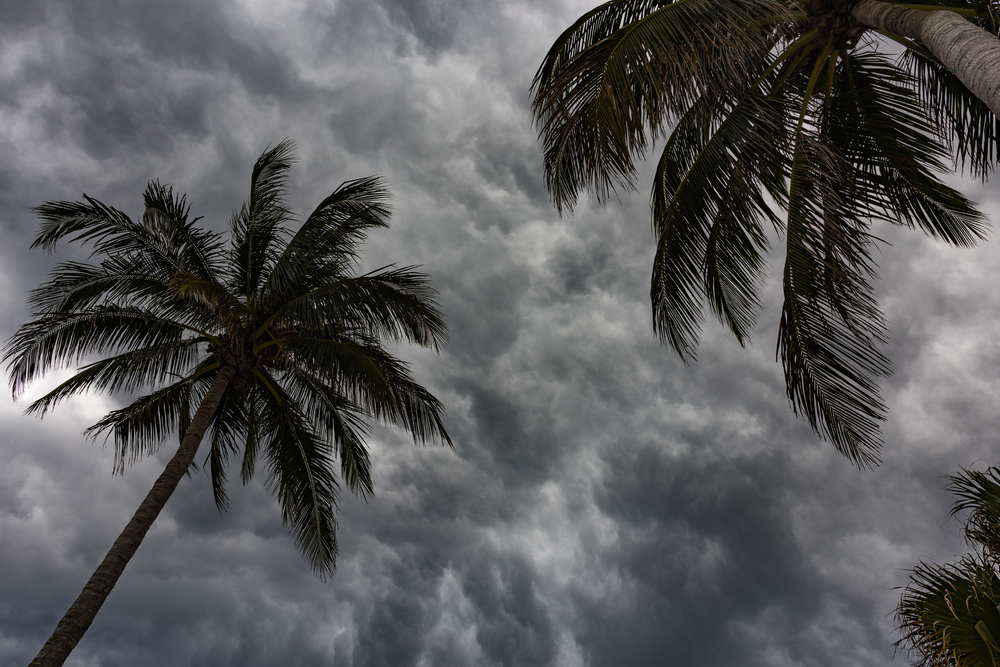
604, 504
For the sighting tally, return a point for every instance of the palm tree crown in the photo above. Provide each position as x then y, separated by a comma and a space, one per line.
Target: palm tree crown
773, 104
949, 615
271, 346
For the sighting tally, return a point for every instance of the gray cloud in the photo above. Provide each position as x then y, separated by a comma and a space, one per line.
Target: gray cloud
604, 504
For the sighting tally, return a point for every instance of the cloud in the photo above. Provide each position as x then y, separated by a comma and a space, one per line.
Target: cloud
604, 504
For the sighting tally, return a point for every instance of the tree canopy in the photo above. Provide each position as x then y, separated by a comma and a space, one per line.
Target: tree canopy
764, 106
949, 615
270, 344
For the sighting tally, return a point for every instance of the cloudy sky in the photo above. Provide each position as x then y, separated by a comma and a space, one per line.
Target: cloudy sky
604, 504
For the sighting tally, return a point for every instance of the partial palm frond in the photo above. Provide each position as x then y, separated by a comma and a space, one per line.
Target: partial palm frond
64, 339
830, 324
949, 614
734, 259
884, 133
254, 437
368, 376
198, 251
146, 367
108, 229
708, 206
216, 301
967, 126
396, 304
341, 222
301, 477
340, 422
328, 243
979, 494
613, 80
257, 228
120, 281
75, 285
140, 428
160, 240
227, 434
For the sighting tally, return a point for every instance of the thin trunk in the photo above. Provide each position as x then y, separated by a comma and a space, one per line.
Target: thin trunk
81, 614
968, 51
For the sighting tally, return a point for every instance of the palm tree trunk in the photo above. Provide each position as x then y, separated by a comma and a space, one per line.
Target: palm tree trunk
81, 614
968, 51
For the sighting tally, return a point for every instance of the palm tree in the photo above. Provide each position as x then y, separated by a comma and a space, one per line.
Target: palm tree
274, 344
774, 104
949, 615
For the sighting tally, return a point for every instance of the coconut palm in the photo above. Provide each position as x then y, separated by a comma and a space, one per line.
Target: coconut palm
272, 347
949, 615
768, 105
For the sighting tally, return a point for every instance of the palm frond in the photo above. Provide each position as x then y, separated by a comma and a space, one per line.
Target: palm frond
734, 262
74, 285
830, 323
300, 475
708, 206
979, 494
256, 229
396, 304
368, 376
219, 304
327, 244
340, 223
148, 366
967, 126
339, 421
140, 428
949, 614
883, 131
198, 251
77, 287
160, 240
254, 436
90, 222
64, 339
227, 433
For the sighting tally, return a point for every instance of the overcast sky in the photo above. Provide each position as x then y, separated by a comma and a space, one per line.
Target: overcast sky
604, 504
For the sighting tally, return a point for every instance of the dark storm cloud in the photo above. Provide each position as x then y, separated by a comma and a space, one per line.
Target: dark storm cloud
604, 504
696, 535
514, 628
501, 612
432, 21
19, 15
578, 268
138, 75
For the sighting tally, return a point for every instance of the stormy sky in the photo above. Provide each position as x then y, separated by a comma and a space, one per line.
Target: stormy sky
604, 504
